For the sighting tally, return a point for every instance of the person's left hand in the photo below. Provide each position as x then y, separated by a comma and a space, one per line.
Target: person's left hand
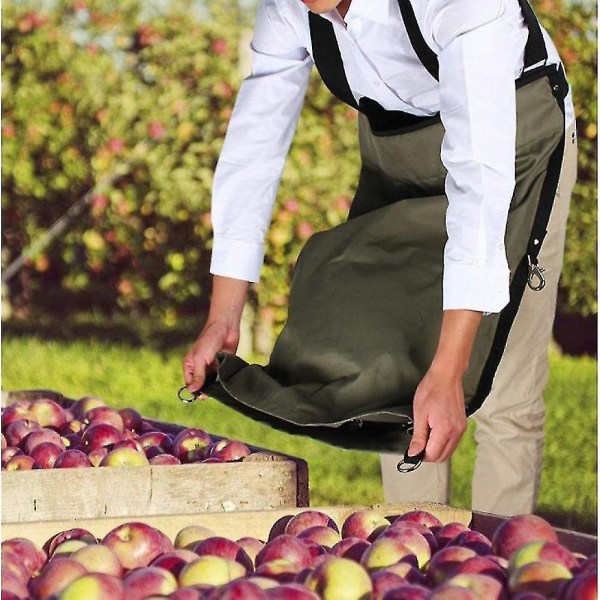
439, 415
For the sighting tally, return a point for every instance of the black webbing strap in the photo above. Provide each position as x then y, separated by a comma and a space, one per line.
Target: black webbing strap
535, 48
328, 60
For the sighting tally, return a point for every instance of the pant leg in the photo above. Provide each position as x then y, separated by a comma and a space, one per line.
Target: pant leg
510, 424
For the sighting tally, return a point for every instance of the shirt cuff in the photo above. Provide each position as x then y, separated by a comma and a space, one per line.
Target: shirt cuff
476, 287
236, 259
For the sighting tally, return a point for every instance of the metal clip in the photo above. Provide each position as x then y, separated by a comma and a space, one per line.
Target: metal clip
193, 395
535, 272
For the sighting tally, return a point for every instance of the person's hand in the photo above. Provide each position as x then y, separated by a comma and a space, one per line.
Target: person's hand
439, 415
201, 357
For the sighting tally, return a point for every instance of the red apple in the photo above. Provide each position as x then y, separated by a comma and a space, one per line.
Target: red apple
280, 570
340, 578
3, 443
251, 546
32, 557
15, 412
76, 533
541, 576
18, 430
474, 540
446, 562
483, 585
397, 525
309, 518
452, 592
124, 457
482, 565
588, 565
165, 459
132, 420
189, 536
20, 462
291, 591
48, 413
211, 570
174, 561
97, 558
9, 452
228, 450
99, 436
286, 547
68, 547
148, 581
319, 534
350, 547
94, 586
547, 551
421, 516
384, 552
410, 538
41, 436
582, 587
136, 544
529, 596
104, 414
264, 583
72, 459
408, 592
55, 577
13, 564
407, 571
220, 546
85, 404
519, 530
97, 456
11, 584
70, 427
45, 455
187, 594
362, 523
72, 441
384, 581
159, 440
239, 590
447, 532
191, 444
130, 443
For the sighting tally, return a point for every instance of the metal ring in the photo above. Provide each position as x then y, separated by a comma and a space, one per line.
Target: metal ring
192, 398
407, 467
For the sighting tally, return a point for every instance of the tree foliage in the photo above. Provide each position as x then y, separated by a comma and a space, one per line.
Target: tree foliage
146, 89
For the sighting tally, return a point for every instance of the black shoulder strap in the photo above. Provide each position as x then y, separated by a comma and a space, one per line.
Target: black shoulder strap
535, 49
328, 60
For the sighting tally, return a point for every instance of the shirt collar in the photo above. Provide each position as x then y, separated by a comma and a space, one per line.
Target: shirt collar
372, 10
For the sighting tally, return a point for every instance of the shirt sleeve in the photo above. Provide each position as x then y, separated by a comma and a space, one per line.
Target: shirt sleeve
256, 145
478, 111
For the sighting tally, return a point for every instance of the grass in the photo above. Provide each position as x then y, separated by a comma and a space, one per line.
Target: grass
146, 377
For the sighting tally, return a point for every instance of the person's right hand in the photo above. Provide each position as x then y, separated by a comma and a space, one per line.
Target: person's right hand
201, 357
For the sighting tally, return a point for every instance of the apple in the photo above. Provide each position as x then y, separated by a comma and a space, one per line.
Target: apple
94, 586
72, 441
410, 538
362, 523
281, 570
482, 585
32, 557
540, 576
164, 459
70, 427
97, 558
41, 436
187, 594
20, 462
452, 592
104, 414
135, 544
225, 548
159, 440
212, 570
85, 404
309, 518
482, 565
324, 536
3, 442
191, 444
529, 596
588, 565
72, 459
124, 457
291, 591
384, 552
474, 540
11, 584
174, 561
13, 564
239, 590
408, 592
519, 530
15, 412
383, 581
264, 583
548, 551
48, 413
189, 536
340, 578
421, 516
97, 456
252, 546
99, 436
55, 577
132, 420
228, 450
68, 547
447, 532
407, 571
148, 581
446, 562
350, 547
45, 455
76, 533
287, 547
18, 430
8, 453
582, 587
424, 531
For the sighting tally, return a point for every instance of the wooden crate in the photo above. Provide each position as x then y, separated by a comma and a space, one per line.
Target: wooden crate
259, 523
261, 481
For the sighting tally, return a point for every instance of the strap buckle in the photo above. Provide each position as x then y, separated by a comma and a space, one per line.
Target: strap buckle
535, 280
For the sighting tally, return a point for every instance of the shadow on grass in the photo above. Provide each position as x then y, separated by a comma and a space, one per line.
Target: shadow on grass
134, 333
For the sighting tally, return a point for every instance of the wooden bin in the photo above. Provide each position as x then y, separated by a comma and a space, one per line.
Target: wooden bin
259, 523
261, 481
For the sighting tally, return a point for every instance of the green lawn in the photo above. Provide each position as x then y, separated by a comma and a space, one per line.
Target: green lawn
147, 379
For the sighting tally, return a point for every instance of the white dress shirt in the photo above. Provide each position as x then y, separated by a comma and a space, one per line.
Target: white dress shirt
480, 48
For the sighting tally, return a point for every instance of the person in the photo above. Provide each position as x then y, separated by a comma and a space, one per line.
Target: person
480, 48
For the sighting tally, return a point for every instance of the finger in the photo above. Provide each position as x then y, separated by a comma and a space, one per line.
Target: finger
188, 370
420, 435
452, 445
436, 444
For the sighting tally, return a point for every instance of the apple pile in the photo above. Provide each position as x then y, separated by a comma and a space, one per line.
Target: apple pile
306, 557
41, 434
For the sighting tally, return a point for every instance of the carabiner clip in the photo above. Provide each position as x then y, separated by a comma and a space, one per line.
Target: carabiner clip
193, 395
410, 463
535, 272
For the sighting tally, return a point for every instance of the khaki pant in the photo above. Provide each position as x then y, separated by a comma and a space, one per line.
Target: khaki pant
510, 424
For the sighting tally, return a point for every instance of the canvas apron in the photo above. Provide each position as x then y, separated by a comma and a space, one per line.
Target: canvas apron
365, 306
